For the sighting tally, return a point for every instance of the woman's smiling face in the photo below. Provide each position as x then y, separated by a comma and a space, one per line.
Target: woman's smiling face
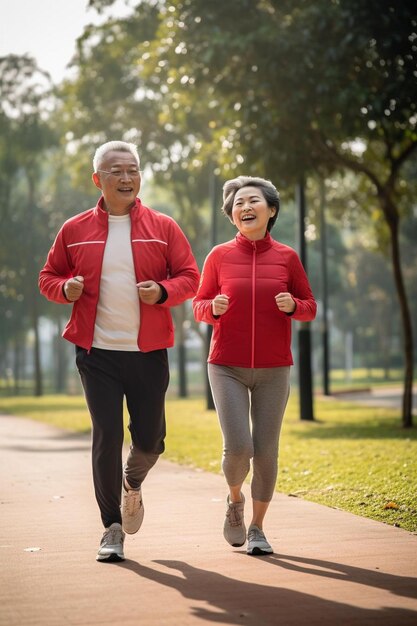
251, 213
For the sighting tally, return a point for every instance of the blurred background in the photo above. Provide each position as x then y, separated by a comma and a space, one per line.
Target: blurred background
320, 97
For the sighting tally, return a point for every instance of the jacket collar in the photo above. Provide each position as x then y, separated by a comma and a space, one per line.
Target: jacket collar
260, 245
103, 215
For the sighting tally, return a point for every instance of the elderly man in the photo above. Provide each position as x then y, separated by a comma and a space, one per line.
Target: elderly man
122, 265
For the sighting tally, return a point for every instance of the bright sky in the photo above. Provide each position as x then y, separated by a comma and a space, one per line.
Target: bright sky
47, 29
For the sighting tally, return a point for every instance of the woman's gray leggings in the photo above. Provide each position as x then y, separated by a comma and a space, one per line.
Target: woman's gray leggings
262, 394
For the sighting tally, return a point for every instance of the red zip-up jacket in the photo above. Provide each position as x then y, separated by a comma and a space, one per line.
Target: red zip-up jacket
161, 253
253, 332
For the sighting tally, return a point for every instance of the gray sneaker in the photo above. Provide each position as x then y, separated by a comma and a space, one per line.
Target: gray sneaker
257, 543
111, 546
132, 510
234, 530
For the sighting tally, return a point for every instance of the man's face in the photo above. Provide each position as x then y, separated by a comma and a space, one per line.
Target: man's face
119, 179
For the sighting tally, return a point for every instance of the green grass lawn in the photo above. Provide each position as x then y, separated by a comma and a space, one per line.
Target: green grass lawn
354, 458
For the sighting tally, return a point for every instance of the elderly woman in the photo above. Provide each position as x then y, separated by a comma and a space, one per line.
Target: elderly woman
250, 290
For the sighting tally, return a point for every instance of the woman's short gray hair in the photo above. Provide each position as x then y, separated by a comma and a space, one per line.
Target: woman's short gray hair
269, 192
120, 146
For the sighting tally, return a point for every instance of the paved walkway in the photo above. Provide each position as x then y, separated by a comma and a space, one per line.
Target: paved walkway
387, 397
330, 568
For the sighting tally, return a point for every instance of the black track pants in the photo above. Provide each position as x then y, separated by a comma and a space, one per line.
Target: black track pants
108, 377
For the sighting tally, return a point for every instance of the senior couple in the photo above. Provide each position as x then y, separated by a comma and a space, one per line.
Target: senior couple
122, 266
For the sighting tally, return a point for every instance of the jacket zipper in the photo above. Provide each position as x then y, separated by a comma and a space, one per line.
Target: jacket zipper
136, 277
252, 364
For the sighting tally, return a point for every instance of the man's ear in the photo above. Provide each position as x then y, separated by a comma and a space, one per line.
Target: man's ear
96, 180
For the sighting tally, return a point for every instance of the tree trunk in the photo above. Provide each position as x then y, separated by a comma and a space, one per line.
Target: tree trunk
407, 402
324, 290
60, 359
305, 374
33, 291
391, 215
16, 363
181, 351
38, 390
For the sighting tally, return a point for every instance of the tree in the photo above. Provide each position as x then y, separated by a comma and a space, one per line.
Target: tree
23, 91
289, 87
300, 87
125, 105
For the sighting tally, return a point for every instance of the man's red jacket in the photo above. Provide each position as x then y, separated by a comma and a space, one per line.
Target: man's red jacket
253, 332
161, 253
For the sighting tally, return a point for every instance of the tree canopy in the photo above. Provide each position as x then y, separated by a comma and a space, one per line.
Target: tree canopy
289, 88
282, 89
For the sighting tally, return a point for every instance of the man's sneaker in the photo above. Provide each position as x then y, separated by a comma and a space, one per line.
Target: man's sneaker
257, 543
234, 530
111, 546
132, 510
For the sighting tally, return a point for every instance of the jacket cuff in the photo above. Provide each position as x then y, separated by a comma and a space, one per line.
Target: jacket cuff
291, 314
164, 294
64, 294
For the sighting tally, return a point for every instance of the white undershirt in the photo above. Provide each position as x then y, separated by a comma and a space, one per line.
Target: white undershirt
118, 314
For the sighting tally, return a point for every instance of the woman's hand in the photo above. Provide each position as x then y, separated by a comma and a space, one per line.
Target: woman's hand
285, 303
220, 304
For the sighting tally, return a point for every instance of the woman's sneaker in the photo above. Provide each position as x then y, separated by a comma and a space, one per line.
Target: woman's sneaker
132, 510
111, 546
234, 530
257, 543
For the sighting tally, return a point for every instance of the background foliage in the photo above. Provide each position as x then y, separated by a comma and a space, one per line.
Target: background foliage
319, 91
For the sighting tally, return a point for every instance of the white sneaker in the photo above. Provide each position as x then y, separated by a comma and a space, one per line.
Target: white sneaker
132, 510
111, 546
234, 530
257, 543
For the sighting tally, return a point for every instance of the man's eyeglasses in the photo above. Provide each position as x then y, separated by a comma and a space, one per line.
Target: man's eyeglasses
132, 172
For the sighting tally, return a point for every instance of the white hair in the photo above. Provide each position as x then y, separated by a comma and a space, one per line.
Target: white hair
120, 146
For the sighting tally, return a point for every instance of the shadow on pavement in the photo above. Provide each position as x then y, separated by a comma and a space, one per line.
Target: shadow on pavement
398, 585
235, 602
